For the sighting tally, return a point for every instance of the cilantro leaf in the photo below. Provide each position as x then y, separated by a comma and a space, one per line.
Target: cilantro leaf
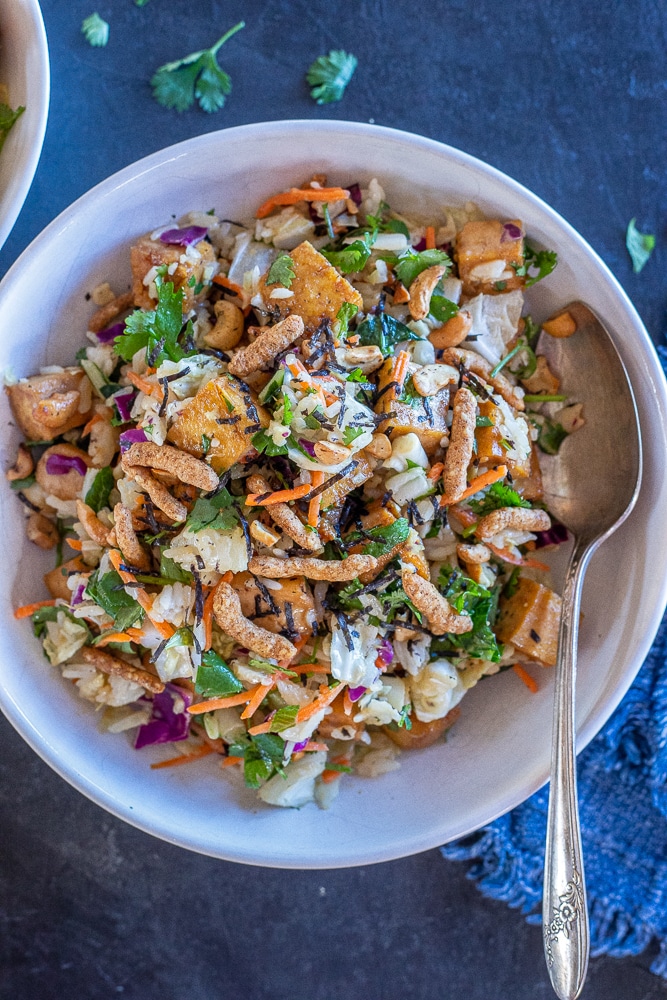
50, 614
23, 484
262, 757
347, 311
498, 495
7, 119
551, 436
409, 263
442, 308
109, 593
95, 30
384, 537
640, 246
384, 331
469, 598
352, 257
155, 329
265, 445
329, 75
218, 512
98, 494
542, 261
197, 76
214, 678
351, 434
281, 271
172, 571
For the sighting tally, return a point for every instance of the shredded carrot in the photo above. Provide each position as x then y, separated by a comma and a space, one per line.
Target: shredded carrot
530, 682
509, 557
114, 637
75, 543
186, 758
231, 701
312, 747
327, 695
486, 479
314, 505
29, 609
297, 369
144, 385
223, 280
264, 727
135, 634
309, 668
259, 693
141, 597
436, 471
207, 618
280, 496
96, 419
295, 195
399, 372
328, 776
429, 238
229, 761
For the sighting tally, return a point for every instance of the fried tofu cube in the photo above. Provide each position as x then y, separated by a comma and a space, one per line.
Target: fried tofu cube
488, 255
227, 414
187, 275
492, 442
318, 290
425, 417
335, 495
292, 599
47, 405
530, 621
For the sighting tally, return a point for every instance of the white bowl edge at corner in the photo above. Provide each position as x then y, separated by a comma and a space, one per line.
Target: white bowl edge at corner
498, 752
24, 69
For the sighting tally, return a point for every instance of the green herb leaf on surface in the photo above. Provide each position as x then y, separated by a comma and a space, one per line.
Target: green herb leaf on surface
107, 591
95, 30
7, 120
386, 537
541, 261
346, 312
173, 572
384, 331
196, 77
97, 496
214, 677
155, 329
218, 512
640, 246
496, 496
409, 263
352, 257
328, 76
469, 598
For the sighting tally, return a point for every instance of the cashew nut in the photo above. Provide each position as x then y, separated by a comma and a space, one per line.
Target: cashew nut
422, 289
41, 531
368, 359
380, 446
329, 453
228, 328
453, 332
23, 466
430, 379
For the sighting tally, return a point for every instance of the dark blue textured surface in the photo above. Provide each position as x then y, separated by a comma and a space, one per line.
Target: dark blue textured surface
570, 100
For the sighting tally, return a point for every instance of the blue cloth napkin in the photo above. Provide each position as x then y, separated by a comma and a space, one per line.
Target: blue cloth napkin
622, 777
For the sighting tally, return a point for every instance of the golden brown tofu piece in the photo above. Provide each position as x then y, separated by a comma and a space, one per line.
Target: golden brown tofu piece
148, 253
530, 620
319, 290
532, 487
489, 442
294, 601
228, 414
48, 405
425, 417
335, 495
479, 245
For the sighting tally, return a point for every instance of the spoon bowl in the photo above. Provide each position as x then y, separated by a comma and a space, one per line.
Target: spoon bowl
590, 487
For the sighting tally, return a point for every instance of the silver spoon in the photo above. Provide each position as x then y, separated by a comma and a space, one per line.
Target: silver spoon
591, 487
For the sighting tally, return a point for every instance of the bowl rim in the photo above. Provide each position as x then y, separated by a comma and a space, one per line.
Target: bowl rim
598, 716
38, 96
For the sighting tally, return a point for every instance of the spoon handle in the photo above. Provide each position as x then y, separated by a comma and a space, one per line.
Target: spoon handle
564, 911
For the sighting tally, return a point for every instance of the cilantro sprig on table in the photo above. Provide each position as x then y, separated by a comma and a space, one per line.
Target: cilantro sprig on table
640, 246
328, 76
95, 30
195, 77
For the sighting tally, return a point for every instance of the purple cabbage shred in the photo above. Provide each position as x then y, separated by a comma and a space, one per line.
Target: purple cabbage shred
556, 535
356, 693
133, 436
184, 237
60, 465
166, 725
510, 233
355, 193
307, 446
111, 332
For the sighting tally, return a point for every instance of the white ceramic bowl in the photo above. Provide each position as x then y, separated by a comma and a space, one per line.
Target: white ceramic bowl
24, 70
498, 752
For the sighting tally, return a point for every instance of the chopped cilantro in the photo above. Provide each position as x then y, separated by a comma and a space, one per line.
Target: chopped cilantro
155, 329
205, 444
197, 76
107, 590
173, 572
262, 757
496, 496
328, 76
351, 434
409, 263
352, 257
97, 496
214, 677
284, 718
43, 615
442, 308
217, 512
386, 537
281, 271
469, 598
640, 246
551, 436
541, 261
483, 422
265, 445
384, 331
346, 312
95, 30
23, 484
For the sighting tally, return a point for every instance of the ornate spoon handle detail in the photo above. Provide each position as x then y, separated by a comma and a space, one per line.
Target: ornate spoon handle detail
564, 911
